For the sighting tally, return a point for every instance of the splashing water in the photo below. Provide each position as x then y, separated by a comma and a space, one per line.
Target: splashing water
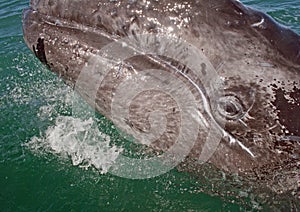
80, 140
61, 133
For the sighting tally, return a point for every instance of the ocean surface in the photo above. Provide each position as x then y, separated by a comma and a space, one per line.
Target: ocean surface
42, 170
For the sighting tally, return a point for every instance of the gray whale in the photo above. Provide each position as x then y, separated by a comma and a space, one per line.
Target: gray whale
258, 59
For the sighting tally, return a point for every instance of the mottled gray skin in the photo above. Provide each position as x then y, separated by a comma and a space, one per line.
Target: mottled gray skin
258, 59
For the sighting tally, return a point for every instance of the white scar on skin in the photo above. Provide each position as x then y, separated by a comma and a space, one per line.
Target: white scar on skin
258, 23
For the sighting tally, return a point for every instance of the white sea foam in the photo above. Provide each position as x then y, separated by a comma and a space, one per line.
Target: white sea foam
80, 140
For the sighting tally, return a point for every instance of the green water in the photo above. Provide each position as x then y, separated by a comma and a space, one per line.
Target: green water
31, 98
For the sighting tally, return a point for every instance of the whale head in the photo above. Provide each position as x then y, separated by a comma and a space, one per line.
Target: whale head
256, 111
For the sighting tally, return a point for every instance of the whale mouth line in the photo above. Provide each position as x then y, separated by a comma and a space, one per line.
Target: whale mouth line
60, 22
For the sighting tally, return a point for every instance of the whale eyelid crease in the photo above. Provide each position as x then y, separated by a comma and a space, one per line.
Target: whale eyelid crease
232, 140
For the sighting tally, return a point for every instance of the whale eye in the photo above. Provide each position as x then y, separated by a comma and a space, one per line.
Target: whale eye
230, 107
